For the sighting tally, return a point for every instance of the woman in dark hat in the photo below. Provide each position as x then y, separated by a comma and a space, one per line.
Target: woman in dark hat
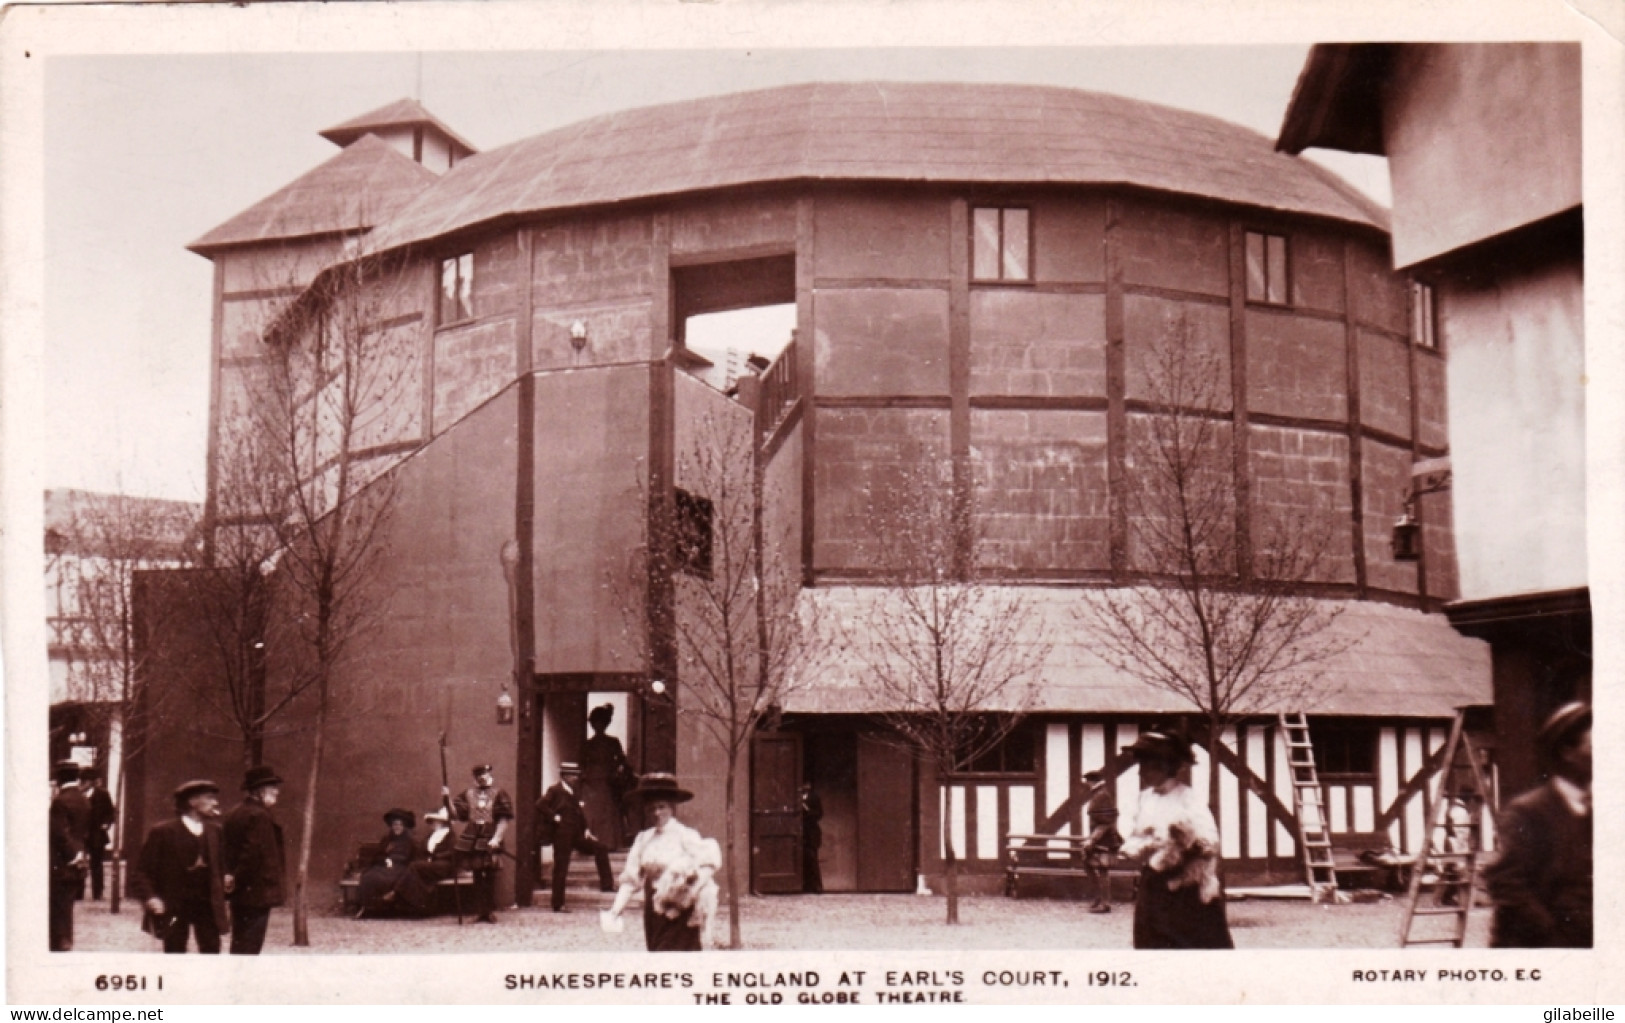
605, 777
1180, 902
667, 844
381, 883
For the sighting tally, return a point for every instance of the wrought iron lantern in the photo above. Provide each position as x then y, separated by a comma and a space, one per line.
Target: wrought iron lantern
505, 706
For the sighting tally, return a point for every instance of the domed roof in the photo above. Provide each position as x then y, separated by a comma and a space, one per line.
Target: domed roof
876, 131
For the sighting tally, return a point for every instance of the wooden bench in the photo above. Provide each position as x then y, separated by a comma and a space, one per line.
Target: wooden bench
369, 854
1354, 872
1062, 856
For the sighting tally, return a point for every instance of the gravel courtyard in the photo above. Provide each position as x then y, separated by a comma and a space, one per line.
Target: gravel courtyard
828, 922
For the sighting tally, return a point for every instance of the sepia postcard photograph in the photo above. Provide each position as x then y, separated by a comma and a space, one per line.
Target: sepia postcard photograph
914, 503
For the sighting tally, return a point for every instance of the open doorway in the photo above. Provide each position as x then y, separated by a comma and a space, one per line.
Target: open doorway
738, 315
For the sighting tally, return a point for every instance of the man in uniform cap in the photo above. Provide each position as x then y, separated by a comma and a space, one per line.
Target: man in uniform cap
561, 808
255, 864
70, 832
490, 808
1541, 880
180, 874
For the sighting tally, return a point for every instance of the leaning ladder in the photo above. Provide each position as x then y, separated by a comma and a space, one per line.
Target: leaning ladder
1450, 848
1308, 803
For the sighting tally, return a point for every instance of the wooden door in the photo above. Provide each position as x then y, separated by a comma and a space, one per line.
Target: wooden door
885, 816
775, 813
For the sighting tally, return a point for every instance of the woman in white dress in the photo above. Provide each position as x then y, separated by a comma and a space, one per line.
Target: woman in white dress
673, 865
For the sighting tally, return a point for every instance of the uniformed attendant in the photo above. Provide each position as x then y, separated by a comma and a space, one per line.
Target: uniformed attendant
490, 808
255, 863
180, 875
69, 834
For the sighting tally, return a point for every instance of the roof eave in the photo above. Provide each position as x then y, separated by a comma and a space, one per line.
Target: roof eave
1337, 102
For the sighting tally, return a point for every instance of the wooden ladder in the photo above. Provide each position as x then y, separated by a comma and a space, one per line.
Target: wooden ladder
1309, 806
1451, 846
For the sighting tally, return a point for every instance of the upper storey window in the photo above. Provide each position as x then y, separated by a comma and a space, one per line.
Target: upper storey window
1001, 246
456, 289
1266, 268
1424, 322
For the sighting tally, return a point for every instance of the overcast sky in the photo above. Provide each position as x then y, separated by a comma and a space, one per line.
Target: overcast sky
145, 154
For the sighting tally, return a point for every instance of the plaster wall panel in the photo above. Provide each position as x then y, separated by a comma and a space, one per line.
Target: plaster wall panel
592, 450
1300, 486
1027, 343
1376, 295
874, 341
1040, 500
1151, 507
1316, 264
1168, 247
733, 224
391, 399
1152, 323
472, 363
1069, 240
859, 451
592, 260
1386, 474
1481, 138
243, 322
276, 265
499, 276
1385, 384
1296, 366
616, 332
1438, 543
1432, 415
782, 503
897, 236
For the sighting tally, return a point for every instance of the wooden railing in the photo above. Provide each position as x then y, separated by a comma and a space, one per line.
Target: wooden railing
780, 388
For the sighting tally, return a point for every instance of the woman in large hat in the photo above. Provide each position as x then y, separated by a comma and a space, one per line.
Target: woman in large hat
667, 845
1180, 902
381, 883
605, 777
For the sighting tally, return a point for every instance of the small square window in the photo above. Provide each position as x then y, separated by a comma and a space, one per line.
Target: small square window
1001, 244
1344, 747
457, 288
693, 526
1014, 752
1424, 321
1266, 268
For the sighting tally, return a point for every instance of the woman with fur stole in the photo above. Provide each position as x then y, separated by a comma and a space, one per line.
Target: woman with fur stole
673, 866
1175, 839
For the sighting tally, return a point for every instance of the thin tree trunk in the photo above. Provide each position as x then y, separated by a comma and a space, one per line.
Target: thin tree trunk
950, 860
301, 900
116, 853
736, 937
1213, 728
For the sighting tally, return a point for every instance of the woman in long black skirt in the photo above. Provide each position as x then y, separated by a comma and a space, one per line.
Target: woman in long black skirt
666, 843
1180, 903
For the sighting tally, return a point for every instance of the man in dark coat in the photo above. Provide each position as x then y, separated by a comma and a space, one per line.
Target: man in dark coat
490, 809
812, 839
255, 864
1541, 880
179, 875
70, 832
103, 815
561, 806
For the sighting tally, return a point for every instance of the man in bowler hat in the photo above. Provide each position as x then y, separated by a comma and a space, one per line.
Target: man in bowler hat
70, 831
103, 815
255, 864
561, 807
491, 809
1541, 880
180, 875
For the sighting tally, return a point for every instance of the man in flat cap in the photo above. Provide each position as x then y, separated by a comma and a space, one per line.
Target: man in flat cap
70, 832
180, 875
561, 807
489, 809
255, 864
1541, 878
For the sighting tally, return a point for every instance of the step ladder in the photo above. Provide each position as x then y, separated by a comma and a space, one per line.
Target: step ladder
1309, 806
1451, 847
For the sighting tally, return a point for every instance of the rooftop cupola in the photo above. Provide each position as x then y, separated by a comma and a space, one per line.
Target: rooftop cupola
410, 130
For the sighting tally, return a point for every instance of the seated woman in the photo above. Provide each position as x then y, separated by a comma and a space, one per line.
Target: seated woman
381, 883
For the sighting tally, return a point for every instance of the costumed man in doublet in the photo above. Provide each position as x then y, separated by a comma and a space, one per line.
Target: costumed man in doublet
382, 882
673, 865
812, 838
180, 874
255, 860
69, 837
491, 810
561, 813
1100, 848
606, 776
1180, 903
1541, 880
103, 816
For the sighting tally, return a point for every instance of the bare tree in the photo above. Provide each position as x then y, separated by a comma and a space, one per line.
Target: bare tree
322, 406
1224, 620
93, 558
744, 641
954, 660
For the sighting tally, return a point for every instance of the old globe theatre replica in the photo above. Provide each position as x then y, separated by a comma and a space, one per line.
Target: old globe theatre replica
995, 292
